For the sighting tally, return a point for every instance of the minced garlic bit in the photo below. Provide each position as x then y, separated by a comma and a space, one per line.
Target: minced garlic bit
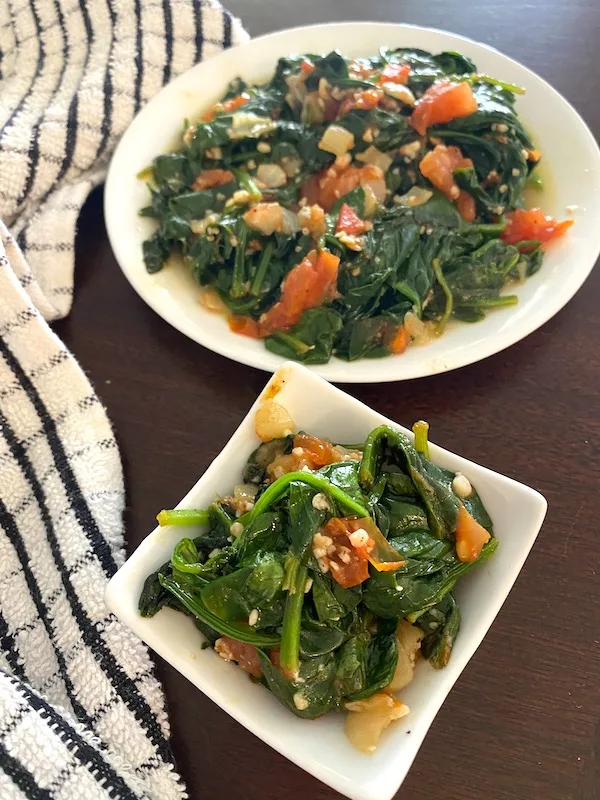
253, 617
300, 701
222, 648
263, 147
238, 198
235, 529
410, 150
352, 242
308, 585
461, 485
359, 537
320, 544
320, 502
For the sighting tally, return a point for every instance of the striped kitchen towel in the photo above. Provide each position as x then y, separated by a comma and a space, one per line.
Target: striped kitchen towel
82, 715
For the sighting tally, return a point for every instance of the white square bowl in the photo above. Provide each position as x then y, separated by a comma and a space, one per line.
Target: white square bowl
319, 746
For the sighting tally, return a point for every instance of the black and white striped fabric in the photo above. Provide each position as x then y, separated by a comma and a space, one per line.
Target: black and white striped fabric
82, 715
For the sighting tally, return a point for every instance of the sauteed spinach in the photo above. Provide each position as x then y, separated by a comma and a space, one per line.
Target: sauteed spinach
350, 207
325, 571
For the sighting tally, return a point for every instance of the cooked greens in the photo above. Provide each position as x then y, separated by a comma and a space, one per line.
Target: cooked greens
350, 207
307, 574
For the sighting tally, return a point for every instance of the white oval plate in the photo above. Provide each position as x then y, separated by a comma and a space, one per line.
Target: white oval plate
567, 144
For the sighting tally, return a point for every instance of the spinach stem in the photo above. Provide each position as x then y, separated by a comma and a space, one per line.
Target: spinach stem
237, 285
246, 183
437, 269
299, 347
489, 229
421, 431
290, 634
278, 488
263, 265
494, 302
182, 516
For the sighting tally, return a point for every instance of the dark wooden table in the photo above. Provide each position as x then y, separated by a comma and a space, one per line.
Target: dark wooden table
523, 722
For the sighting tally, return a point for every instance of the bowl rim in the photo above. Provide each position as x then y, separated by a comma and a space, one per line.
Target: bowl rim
119, 588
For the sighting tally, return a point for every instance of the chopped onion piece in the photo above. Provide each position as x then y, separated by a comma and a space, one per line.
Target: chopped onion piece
290, 222
371, 203
210, 299
374, 156
272, 421
271, 175
409, 643
414, 197
367, 719
399, 92
247, 125
336, 140
291, 165
419, 331
245, 491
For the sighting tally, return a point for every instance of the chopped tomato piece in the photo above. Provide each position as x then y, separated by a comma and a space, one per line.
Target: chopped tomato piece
320, 451
212, 177
400, 341
246, 655
306, 67
309, 284
349, 222
357, 542
275, 656
380, 553
443, 102
363, 101
226, 107
395, 73
466, 205
246, 326
533, 224
330, 184
470, 536
438, 166
349, 565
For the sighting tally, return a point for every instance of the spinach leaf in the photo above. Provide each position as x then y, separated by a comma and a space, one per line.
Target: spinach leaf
344, 475
311, 341
303, 519
256, 467
433, 484
351, 666
261, 534
155, 250
394, 595
233, 596
153, 597
190, 597
380, 664
319, 642
475, 281
441, 625
171, 173
313, 695
327, 606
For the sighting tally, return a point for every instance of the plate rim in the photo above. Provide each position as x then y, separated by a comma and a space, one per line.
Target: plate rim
338, 370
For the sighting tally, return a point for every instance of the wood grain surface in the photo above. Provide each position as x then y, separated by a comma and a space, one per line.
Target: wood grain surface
523, 722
